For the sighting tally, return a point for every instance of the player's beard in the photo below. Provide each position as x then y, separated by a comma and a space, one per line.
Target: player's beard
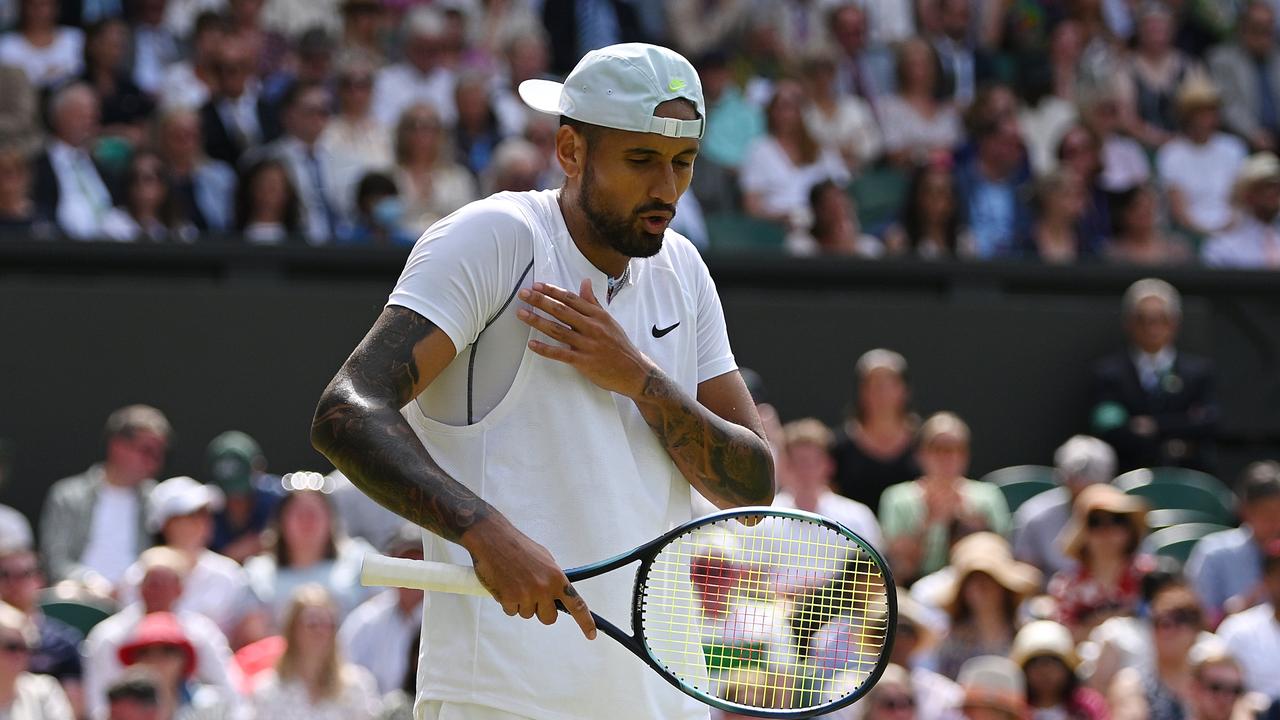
623, 234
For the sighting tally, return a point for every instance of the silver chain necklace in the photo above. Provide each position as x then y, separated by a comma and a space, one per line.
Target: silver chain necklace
616, 285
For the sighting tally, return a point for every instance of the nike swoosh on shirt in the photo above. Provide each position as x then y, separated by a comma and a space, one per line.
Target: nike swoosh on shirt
660, 332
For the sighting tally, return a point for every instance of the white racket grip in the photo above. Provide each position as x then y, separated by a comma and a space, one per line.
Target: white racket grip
382, 571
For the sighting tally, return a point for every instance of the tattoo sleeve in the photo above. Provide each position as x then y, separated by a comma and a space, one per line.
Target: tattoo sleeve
358, 426
729, 464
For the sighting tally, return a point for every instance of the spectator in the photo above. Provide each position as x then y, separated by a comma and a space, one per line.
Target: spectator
733, 125
291, 18
381, 634
154, 46
310, 166
420, 79
188, 84
1047, 89
477, 132
1155, 405
1139, 237
56, 651
24, 695
237, 466
892, 697
982, 601
842, 123
431, 184
835, 229
307, 547
1047, 655
135, 696
20, 119
268, 211
1127, 641
311, 679
180, 513
310, 63
267, 46
1125, 163
201, 189
931, 224
1253, 635
1198, 167
807, 482
1162, 690
91, 527
68, 186
697, 28
992, 186
1253, 240
516, 166
49, 54
954, 44
923, 517
354, 139
234, 119
1081, 153
861, 72
159, 645
1152, 76
1080, 462
398, 704
1248, 72
936, 696
876, 447
526, 57
1225, 567
1102, 538
363, 23
149, 209
19, 218
994, 689
915, 122
379, 215
784, 164
1218, 684
163, 572
1059, 206
124, 105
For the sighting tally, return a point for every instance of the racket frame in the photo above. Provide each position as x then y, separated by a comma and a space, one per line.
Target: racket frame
648, 552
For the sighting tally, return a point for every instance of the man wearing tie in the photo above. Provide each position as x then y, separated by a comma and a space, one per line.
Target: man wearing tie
305, 115
68, 186
1154, 404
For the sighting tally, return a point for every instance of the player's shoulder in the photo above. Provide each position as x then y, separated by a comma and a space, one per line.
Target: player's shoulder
503, 224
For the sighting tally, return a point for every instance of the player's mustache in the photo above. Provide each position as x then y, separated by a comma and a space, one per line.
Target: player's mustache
656, 207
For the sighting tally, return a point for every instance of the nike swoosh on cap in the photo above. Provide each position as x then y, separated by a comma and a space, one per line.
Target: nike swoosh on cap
660, 332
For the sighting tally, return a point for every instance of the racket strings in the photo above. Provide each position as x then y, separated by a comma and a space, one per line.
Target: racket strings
788, 614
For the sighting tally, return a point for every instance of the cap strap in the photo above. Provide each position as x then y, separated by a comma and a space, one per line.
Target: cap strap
671, 127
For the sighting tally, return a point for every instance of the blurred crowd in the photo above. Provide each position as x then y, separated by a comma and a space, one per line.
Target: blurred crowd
235, 594
1127, 131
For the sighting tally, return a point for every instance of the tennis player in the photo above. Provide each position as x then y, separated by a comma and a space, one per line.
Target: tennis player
548, 380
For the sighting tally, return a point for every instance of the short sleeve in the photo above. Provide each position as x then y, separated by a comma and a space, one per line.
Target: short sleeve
461, 271
715, 356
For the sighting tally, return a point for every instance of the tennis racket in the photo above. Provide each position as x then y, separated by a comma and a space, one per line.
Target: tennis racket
789, 617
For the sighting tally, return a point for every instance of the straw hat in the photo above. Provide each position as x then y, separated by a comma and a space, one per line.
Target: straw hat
1042, 638
1197, 93
1259, 168
994, 682
1100, 498
987, 552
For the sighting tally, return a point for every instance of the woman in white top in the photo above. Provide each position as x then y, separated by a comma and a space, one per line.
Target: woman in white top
783, 164
311, 681
48, 53
915, 122
354, 138
431, 184
843, 123
24, 696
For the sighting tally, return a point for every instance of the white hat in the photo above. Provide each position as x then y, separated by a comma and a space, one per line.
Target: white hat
180, 496
15, 531
619, 87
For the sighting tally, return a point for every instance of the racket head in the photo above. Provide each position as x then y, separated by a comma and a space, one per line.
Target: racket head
789, 618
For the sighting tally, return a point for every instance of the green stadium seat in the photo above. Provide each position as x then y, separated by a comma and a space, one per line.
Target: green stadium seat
1168, 517
1179, 489
739, 232
879, 193
77, 609
1178, 541
1020, 483
1185, 476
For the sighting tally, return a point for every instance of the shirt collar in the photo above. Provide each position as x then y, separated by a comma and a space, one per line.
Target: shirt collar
1163, 358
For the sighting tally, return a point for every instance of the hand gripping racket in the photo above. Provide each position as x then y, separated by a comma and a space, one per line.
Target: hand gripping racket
788, 618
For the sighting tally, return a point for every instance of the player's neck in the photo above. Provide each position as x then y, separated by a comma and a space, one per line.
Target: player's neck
593, 248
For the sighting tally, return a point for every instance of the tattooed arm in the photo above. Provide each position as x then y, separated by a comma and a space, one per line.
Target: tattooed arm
358, 426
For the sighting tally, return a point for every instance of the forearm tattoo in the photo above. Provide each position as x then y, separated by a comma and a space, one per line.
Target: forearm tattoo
721, 459
358, 426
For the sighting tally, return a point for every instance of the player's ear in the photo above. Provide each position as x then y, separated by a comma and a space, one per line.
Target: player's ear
571, 151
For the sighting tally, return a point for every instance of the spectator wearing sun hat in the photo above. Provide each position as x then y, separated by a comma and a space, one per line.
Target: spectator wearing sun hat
994, 689
1102, 538
1080, 462
180, 511
982, 600
1047, 655
161, 647
1253, 240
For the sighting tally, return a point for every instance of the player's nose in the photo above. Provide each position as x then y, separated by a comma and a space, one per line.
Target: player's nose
664, 187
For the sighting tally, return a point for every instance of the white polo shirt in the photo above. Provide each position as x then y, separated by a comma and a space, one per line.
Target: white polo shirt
571, 465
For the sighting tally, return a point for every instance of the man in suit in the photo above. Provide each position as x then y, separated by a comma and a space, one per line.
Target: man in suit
310, 166
1154, 404
235, 118
1248, 73
68, 185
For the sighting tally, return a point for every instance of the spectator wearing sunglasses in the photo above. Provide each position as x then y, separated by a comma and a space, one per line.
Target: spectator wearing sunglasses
1102, 538
91, 527
1162, 689
1218, 690
936, 696
23, 695
892, 698
57, 649
1253, 636
1046, 653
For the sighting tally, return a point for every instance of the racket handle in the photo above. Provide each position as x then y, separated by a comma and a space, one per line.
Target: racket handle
382, 571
